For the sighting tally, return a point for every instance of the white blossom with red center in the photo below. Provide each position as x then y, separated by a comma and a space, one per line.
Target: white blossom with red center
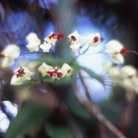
129, 76
33, 42
55, 73
126, 77
46, 69
93, 39
20, 75
53, 38
116, 50
8, 55
75, 37
75, 40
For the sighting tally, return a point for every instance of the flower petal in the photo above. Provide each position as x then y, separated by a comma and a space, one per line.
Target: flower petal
44, 68
12, 51
45, 47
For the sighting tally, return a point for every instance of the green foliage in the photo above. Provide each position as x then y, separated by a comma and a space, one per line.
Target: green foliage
111, 111
58, 131
30, 116
89, 71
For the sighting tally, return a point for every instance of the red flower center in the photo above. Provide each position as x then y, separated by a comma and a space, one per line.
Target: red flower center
1, 55
20, 72
55, 73
95, 39
56, 36
125, 51
73, 38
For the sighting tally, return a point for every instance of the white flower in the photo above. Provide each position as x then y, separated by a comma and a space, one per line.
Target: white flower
75, 47
113, 48
74, 38
33, 42
128, 71
93, 39
113, 71
55, 73
45, 47
44, 68
66, 70
21, 74
52, 38
9, 54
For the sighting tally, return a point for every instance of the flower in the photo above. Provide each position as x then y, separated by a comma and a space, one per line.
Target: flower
74, 38
75, 47
43, 68
33, 42
9, 54
66, 70
113, 71
55, 73
52, 38
116, 50
45, 47
93, 39
129, 75
21, 74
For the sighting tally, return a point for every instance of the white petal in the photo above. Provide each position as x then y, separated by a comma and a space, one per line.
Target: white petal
12, 51
117, 58
45, 47
128, 70
75, 47
6, 62
17, 81
32, 37
44, 68
113, 46
33, 46
66, 70
50, 41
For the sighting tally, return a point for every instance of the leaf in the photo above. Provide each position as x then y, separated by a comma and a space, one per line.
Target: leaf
58, 131
29, 116
90, 72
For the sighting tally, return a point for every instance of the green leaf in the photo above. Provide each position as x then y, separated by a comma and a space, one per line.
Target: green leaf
58, 131
30, 116
90, 72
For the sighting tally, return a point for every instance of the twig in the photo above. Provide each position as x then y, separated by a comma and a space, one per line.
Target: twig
91, 107
102, 132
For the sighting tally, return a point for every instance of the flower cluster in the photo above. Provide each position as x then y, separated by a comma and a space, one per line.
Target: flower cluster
126, 76
23, 73
34, 43
77, 41
114, 48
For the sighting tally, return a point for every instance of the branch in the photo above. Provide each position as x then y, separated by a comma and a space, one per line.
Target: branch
91, 107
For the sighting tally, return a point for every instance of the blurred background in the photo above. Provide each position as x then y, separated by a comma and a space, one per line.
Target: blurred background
113, 19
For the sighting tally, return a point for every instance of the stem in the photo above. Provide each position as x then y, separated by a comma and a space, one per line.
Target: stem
91, 107
101, 128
